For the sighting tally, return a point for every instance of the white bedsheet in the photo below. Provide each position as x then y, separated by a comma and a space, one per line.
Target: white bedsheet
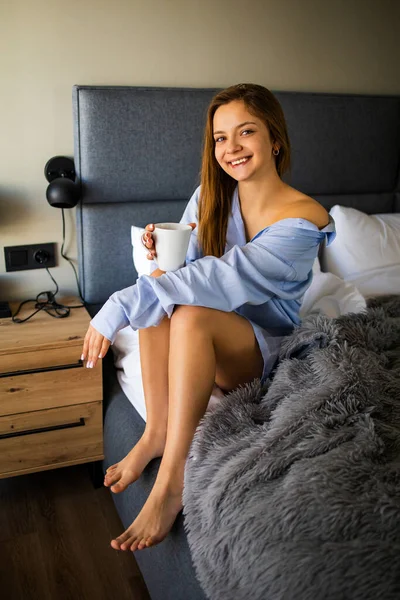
328, 294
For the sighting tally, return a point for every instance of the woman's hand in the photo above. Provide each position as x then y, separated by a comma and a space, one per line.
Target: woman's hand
148, 242
95, 346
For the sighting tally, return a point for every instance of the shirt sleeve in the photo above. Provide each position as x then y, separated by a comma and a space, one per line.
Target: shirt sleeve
190, 215
277, 263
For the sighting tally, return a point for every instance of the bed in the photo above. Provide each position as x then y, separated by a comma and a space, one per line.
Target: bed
137, 157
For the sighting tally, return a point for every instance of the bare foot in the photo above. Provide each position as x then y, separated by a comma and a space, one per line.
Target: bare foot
154, 521
122, 474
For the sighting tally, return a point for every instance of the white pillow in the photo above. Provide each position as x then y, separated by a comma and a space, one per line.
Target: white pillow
378, 282
363, 243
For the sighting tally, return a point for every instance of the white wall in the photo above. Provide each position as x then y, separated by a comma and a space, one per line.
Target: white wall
47, 46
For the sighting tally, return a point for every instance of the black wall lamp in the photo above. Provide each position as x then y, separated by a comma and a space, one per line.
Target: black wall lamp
62, 192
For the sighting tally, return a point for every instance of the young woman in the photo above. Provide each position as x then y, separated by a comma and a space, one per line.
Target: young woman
221, 318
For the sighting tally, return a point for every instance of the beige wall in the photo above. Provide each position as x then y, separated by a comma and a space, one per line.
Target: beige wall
47, 46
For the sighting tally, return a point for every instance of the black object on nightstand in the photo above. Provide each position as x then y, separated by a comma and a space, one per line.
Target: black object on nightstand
4, 310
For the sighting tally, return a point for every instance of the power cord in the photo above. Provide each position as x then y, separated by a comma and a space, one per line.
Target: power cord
84, 303
50, 305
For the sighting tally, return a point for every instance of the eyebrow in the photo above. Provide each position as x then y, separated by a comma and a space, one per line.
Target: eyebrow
237, 127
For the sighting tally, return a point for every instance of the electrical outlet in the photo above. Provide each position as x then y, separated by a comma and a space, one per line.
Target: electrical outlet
33, 256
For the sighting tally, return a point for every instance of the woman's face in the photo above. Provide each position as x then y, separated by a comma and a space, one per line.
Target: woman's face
243, 147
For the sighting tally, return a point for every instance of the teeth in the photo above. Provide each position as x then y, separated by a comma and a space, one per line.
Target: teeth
237, 162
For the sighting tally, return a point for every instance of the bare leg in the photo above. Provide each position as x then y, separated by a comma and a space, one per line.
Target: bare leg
206, 345
154, 350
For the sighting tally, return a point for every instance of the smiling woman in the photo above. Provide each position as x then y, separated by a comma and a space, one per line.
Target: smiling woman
220, 318
246, 136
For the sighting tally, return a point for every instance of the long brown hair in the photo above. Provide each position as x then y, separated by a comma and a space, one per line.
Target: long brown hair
217, 186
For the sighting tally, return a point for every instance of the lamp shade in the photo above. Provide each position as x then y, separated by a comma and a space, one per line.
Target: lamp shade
62, 192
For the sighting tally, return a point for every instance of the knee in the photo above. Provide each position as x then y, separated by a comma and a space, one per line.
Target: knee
190, 316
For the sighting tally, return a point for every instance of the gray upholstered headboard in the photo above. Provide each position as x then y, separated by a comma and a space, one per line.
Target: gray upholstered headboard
137, 156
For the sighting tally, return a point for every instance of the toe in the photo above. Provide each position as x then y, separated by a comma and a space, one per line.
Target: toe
112, 477
122, 484
116, 488
110, 472
120, 542
126, 545
142, 544
115, 545
134, 545
109, 481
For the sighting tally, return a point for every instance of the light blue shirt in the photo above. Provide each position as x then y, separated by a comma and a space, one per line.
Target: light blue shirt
263, 280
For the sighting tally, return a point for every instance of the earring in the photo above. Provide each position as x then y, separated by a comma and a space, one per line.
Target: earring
275, 153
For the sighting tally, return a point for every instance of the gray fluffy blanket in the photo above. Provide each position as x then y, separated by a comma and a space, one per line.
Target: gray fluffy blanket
292, 492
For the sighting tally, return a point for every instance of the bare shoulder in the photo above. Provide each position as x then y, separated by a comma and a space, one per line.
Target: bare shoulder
305, 207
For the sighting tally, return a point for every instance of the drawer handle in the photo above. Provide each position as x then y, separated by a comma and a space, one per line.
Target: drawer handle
76, 365
79, 423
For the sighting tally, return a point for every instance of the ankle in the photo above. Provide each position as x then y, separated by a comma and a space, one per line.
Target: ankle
155, 436
171, 473
169, 481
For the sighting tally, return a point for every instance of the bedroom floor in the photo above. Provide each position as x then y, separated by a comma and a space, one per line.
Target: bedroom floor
55, 532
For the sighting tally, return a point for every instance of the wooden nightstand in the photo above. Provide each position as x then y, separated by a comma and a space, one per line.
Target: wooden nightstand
50, 403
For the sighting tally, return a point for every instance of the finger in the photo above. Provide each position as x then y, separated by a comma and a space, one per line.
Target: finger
89, 358
85, 345
150, 227
151, 255
96, 341
193, 225
147, 240
104, 348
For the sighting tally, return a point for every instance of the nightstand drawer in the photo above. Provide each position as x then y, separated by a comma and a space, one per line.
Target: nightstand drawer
50, 403
47, 439
39, 359
50, 389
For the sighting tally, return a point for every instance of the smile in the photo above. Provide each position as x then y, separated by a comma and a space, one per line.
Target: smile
240, 161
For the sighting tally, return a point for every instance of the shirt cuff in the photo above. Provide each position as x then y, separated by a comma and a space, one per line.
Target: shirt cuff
109, 320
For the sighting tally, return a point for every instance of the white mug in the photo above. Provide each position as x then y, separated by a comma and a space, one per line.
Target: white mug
171, 243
